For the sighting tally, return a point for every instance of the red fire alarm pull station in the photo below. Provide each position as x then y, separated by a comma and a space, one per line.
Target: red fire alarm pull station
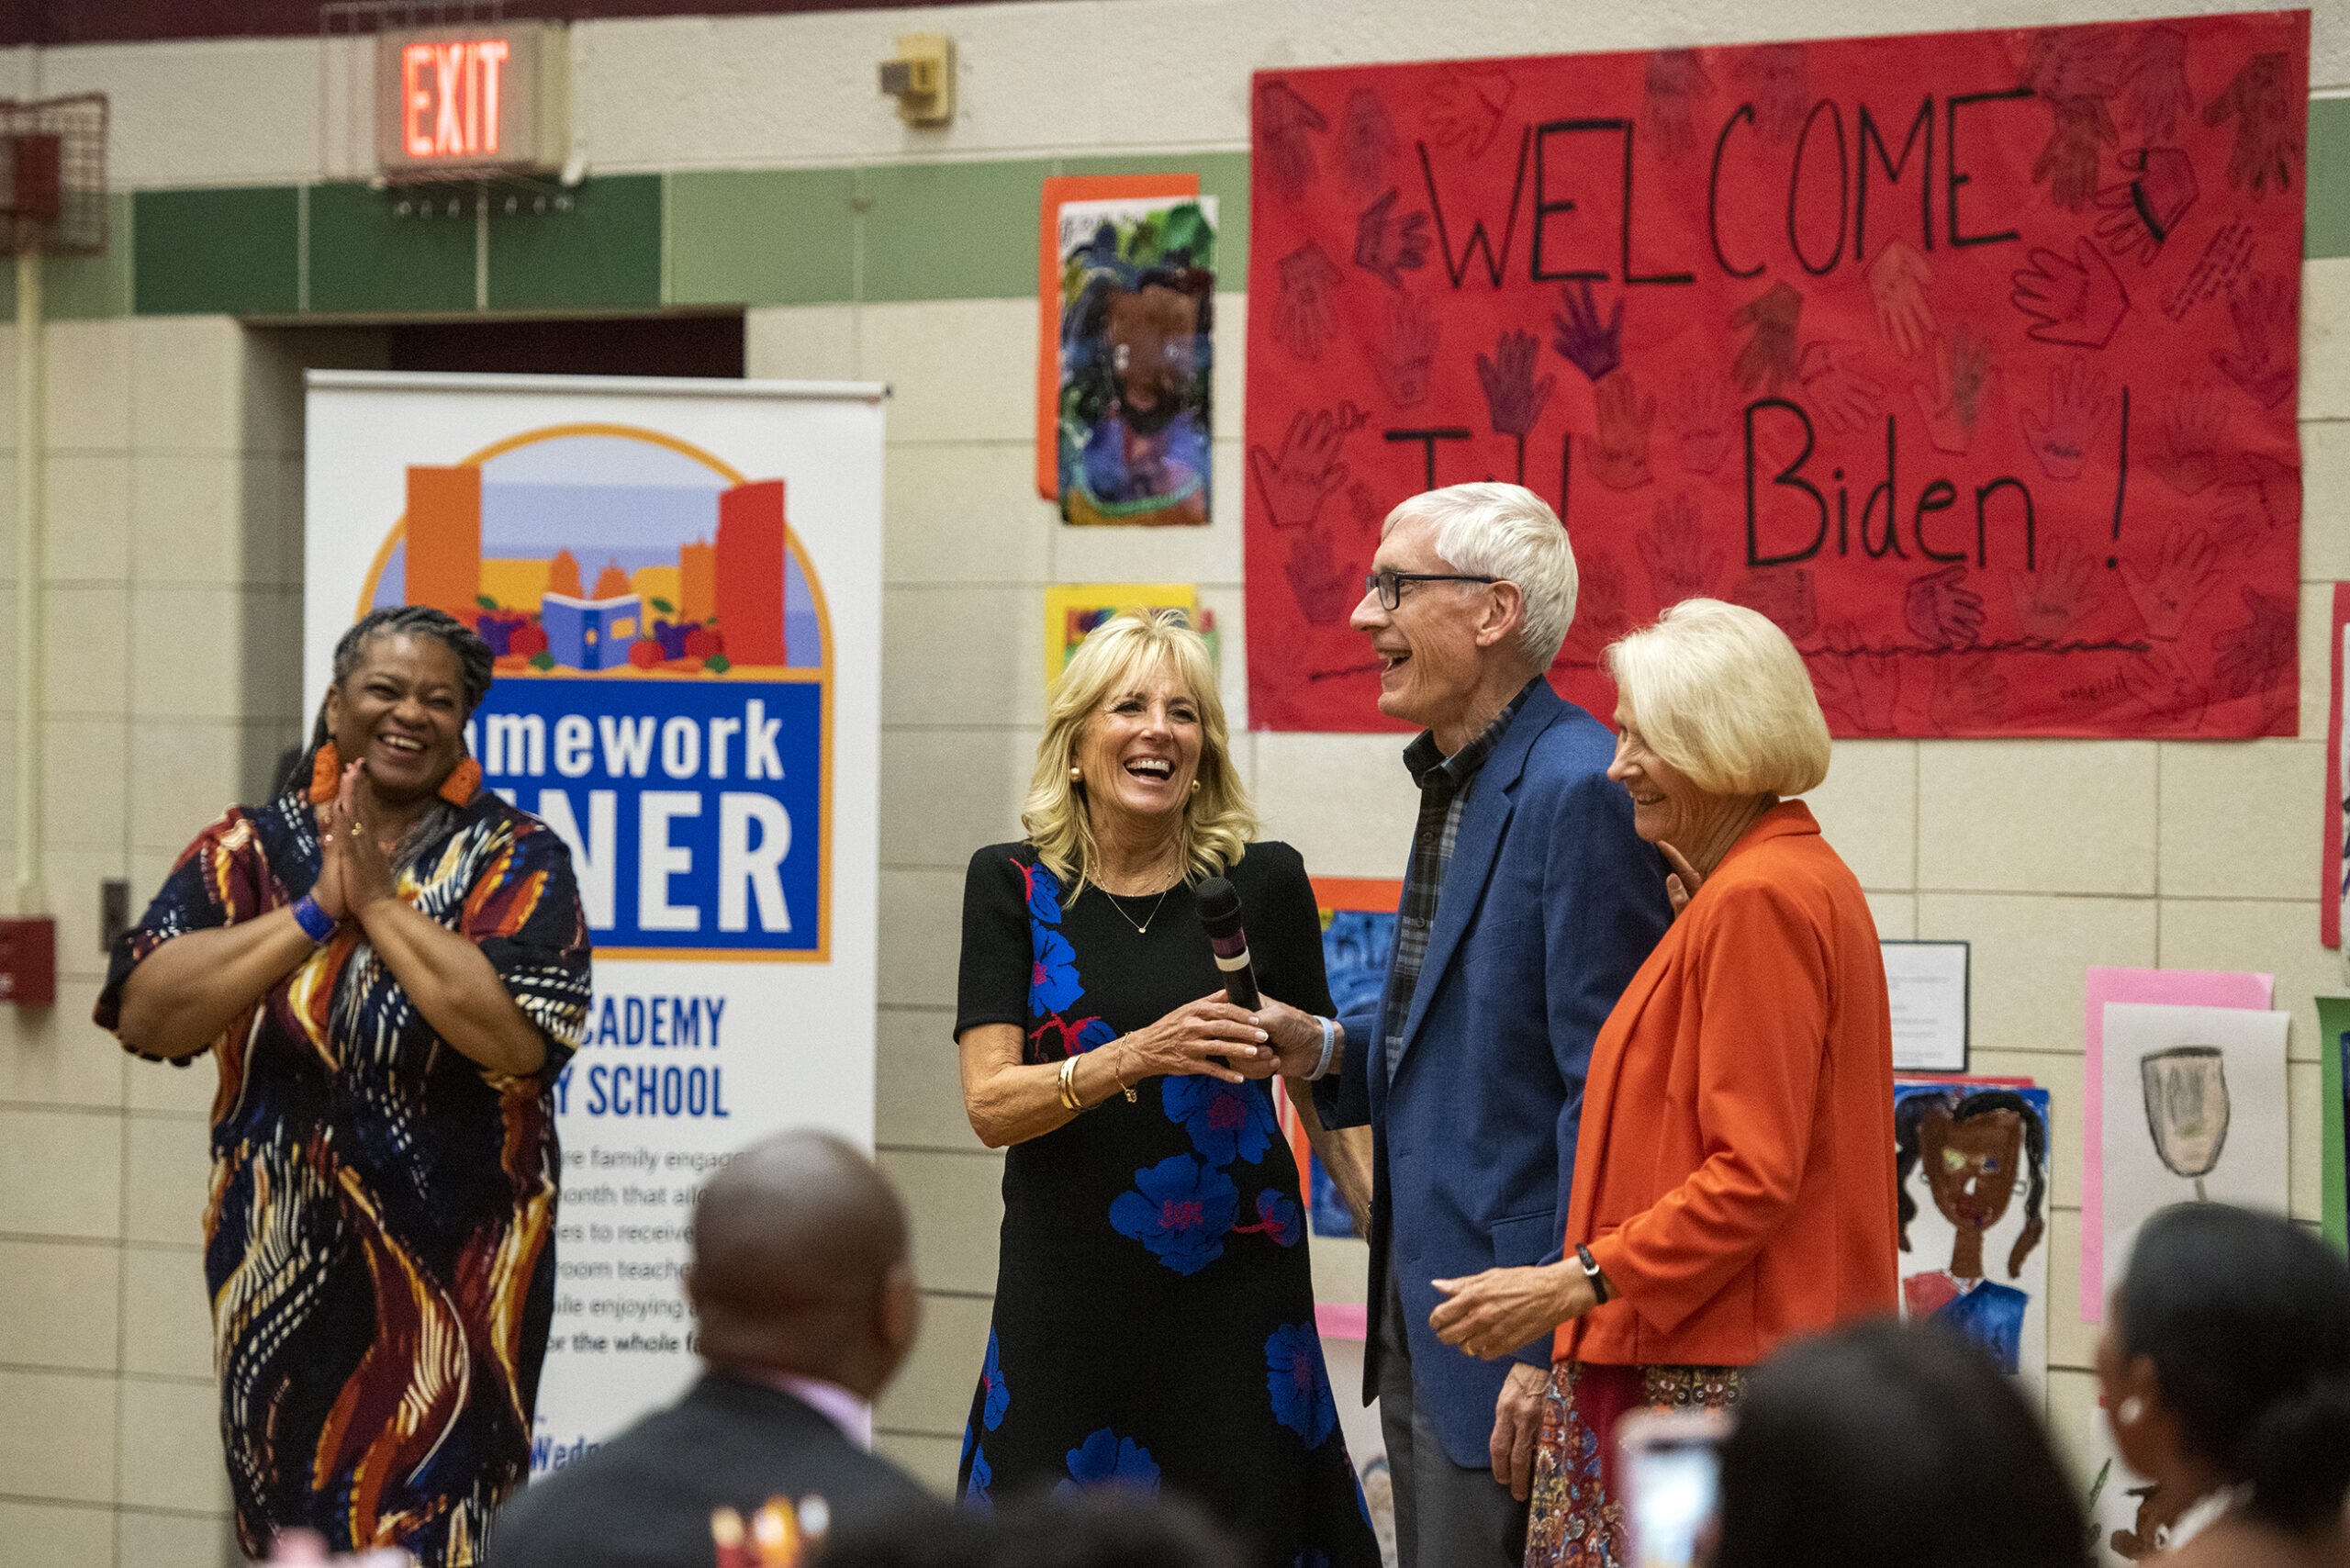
29, 961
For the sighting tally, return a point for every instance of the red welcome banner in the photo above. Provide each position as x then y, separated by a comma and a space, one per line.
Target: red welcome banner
1969, 359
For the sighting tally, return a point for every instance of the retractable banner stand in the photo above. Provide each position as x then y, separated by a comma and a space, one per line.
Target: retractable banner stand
681, 580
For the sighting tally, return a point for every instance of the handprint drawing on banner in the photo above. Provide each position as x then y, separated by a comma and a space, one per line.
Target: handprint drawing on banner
2266, 313
1942, 611
2067, 164
2184, 573
1591, 347
1702, 422
2172, 698
2072, 62
1860, 691
1404, 356
2154, 95
1601, 612
2257, 655
1968, 696
2141, 215
1366, 142
1620, 453
2077, 412
1776, 72
1898, 280
2078, 302
1388, 244
1285, 127
1465, 108
1676, 80
1514, 399
2052, 602
1307, 311
1323, 589
1955, 402
1295, 482
1783, 594
1673, 552
2260, 493
1837, 391
2195, 422
1770, 353
2269, 113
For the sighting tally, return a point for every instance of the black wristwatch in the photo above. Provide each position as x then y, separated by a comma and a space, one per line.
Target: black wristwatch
1598, 1280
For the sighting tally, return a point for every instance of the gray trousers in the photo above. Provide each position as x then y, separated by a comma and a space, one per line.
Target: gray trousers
1445, 1515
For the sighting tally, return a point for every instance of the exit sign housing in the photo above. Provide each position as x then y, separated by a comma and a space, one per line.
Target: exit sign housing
472, 101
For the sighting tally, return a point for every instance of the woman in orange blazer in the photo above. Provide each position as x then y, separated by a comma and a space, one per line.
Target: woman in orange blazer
1734, 1186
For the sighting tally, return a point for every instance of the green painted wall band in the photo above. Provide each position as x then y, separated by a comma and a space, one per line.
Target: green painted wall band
637, 243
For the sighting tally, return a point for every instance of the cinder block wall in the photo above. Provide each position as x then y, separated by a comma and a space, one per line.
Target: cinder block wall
747, 162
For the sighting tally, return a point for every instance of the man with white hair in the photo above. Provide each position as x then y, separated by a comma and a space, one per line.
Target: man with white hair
1528, 902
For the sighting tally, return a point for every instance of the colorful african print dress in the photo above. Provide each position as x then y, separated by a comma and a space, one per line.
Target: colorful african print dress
1154, 1318
379, 1242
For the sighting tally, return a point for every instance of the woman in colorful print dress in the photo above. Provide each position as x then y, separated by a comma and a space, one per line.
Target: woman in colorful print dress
1154, 1310
390, 966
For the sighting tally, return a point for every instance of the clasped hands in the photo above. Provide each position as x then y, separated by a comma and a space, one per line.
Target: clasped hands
354, 871
1216, 1038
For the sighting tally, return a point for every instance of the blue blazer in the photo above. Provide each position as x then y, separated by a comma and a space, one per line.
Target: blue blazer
1549, 904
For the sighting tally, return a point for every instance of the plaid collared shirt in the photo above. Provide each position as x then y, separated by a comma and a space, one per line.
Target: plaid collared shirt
1444, 783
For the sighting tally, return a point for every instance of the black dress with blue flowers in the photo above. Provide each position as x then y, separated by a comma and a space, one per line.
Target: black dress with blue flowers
1154, 1310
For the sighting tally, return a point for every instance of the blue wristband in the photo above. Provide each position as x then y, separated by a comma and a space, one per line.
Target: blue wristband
315, 922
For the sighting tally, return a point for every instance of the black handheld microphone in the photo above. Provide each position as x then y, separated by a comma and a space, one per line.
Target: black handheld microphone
1219, 906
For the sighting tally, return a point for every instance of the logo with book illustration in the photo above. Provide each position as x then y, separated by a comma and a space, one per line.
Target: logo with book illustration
607, 551
664, 661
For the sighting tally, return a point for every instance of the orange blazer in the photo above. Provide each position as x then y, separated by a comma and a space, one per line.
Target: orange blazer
1735, 1177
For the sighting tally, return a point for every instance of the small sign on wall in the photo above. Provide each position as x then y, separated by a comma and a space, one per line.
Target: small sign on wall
1926, 983
472, 101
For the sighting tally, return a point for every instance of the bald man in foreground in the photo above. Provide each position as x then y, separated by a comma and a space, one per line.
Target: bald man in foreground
806, 1305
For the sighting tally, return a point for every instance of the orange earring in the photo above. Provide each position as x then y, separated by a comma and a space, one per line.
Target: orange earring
326, 775
462, 783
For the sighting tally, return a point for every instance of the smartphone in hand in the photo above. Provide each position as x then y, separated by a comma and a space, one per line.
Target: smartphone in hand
1668, 1466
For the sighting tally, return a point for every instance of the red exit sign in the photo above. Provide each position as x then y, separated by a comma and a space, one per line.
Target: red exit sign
470, 101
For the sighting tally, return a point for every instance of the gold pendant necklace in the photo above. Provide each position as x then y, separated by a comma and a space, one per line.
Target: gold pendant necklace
1143, 928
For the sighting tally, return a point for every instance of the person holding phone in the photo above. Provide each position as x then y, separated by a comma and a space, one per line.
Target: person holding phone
1734, 1179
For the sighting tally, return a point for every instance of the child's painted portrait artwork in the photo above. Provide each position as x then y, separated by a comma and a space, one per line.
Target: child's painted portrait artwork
1973, 1160
1138, 304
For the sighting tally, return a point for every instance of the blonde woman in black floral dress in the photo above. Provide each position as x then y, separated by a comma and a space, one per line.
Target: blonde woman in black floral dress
1153, 1312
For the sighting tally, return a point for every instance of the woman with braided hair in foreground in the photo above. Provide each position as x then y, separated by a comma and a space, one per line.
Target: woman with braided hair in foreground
390, 966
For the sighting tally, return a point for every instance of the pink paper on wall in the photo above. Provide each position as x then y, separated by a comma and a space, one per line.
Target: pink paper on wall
2174, 988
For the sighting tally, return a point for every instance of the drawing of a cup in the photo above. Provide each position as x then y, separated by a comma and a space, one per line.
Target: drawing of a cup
2186, 1109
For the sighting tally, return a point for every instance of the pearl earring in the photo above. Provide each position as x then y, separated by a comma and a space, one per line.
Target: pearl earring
2129, 1410
1195, 786
1077, 776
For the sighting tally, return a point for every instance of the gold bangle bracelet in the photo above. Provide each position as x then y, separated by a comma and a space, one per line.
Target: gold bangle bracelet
1069, 1101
